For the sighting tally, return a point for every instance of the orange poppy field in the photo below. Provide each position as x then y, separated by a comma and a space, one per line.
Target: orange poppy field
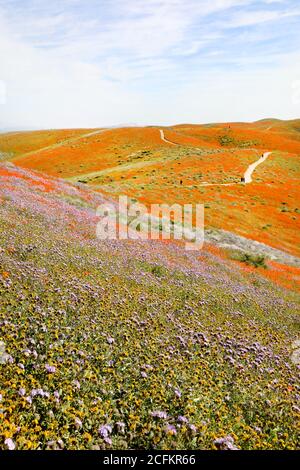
185, 164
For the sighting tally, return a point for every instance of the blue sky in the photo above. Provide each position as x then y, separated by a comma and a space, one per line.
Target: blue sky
72, 63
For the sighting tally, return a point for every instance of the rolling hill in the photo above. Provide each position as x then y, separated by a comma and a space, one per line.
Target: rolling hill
191, 163
134, 344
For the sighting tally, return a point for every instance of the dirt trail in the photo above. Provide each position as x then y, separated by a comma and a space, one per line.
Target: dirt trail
251, 168
247, 178
162, 136
59, 144
107, 171
247, 174
219, 184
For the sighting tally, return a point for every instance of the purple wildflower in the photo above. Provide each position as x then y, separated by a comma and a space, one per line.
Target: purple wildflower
171, 430
225, 443
105, 430
159, 414
192, 428
182, 420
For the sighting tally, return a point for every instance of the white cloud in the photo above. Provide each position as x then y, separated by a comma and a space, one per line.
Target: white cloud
256, 17
94, 63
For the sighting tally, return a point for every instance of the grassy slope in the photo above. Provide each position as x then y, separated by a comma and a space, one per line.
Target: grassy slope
18, 143
93, 153
133, 328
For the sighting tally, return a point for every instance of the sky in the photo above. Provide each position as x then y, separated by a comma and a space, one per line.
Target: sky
94, 63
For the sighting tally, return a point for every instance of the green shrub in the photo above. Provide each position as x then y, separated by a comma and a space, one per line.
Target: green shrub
258, 261
226, 140
157, 270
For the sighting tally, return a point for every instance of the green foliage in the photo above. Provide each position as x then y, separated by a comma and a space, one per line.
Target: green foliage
157, 270
258, 261
226, 140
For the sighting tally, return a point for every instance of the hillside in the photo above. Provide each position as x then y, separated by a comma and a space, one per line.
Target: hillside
134, 344
14, 144
191, 163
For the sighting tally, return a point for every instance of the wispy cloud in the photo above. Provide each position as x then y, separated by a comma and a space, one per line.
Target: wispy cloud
103, 61
253, 18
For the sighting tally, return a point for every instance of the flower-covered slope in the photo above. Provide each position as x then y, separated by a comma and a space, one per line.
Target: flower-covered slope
131, 344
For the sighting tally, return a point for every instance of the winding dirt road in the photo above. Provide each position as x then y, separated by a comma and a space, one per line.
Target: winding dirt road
162, 136
251, 168
247, 175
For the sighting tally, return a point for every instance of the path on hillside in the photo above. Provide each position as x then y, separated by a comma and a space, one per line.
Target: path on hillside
60, 144
114, 169
162, 136
136, 165
251, 168
247, 174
